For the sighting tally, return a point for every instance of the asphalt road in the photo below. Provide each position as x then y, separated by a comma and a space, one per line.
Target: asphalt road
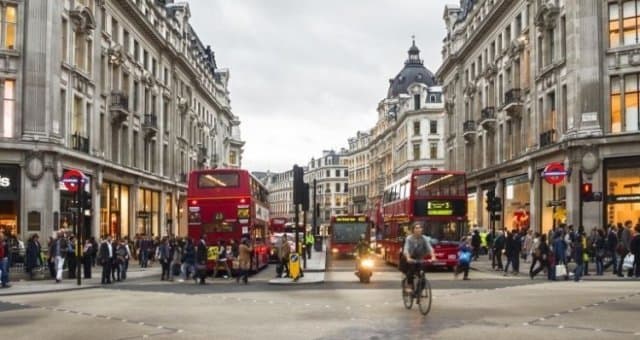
487, 306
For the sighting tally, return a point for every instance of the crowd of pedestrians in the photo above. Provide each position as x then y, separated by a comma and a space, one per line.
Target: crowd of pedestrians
616, 247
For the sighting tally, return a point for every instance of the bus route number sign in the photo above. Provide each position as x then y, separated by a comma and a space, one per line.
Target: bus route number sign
439, 208
350, 219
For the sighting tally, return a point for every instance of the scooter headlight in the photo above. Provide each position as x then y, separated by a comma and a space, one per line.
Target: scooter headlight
334, 250
367, 263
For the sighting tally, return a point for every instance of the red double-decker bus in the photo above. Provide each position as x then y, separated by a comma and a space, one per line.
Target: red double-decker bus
277, 224
229, 204
345, 231
438, 199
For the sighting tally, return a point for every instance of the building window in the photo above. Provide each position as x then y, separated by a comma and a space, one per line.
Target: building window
630, 22
416, 152
551, 50
433, 150
563, 37
79, 56
65, 39
337, 187
433, 127
630, 103
114, 30
416, 102
328, 173
8, 108
78, 121
416, 128
346, 187
616, 104
136, 51
9, 23
614, 25
232, 157
125, 41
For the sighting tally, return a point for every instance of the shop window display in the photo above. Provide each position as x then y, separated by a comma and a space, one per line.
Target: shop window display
517, 202
623, 195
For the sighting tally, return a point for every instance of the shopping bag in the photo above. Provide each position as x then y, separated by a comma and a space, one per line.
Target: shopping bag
561, 270
628, 262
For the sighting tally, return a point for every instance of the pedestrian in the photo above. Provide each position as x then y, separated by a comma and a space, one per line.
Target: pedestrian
527, 245
164, 257
188, 260
509, 252
59, 251
87, 258
464, 258
559, 253
105, 258
476, 241
540, 255
308, 241
600, 247
71, 257
223, 260
498, 247
125, 259
624, 246
612, 247
578, 256
4, 261
634, 246
176, 255
201, 260
283, 254
244, 261
33, 254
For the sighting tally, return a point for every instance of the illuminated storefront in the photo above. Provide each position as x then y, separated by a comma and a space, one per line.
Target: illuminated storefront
517, 203
148, 215
10, 198
472, 209
622, 190
114, 210
553, 205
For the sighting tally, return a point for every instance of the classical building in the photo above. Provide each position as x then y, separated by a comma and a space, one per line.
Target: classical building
332, 188
123, 90
280, 187
407, 136
534, 82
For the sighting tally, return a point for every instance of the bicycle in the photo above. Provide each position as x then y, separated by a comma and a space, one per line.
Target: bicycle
421, 291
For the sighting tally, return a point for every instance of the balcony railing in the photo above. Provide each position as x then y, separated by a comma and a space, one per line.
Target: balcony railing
80, 143
150, 121
469, 126
513, 96
119, 107
547, 138
488, 113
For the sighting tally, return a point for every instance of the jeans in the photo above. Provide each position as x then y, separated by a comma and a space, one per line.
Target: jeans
123, 269
4, 266
577, 273
59, 265
144, 258
186, 269
620, 263
599, 266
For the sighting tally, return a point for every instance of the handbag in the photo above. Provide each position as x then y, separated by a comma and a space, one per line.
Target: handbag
561, 270
628, 261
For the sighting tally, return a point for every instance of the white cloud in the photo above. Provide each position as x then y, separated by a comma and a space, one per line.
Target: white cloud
307, 75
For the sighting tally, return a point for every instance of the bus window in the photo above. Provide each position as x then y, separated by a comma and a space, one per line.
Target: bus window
218, 180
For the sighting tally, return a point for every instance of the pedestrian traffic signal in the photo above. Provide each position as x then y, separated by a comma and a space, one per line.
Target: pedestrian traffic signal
586, 192
490, 198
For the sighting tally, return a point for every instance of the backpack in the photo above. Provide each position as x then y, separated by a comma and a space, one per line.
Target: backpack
464, 257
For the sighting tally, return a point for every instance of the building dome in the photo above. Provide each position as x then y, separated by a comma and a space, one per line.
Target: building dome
413, 72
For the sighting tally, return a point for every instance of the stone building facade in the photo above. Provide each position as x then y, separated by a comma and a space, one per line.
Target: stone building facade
534, 82
123, 90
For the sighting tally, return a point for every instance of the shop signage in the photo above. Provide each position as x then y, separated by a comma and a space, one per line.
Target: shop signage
144, 214
8, 179
70, 179
554, 173
5, 182
624, 198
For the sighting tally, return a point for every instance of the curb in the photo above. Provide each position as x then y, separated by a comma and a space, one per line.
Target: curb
49, 291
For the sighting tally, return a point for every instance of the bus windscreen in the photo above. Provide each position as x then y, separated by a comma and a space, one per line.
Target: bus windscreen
348, 232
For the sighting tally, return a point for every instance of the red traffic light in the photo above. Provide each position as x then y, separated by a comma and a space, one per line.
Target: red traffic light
586, 192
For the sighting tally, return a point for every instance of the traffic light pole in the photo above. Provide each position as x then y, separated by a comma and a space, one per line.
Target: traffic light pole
581, 201
314, 219
79, 227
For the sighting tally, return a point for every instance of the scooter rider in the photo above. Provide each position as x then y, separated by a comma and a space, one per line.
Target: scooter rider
361, 250
416, 247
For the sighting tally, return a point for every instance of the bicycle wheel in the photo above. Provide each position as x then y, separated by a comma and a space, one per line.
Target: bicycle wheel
407, 298
424, 298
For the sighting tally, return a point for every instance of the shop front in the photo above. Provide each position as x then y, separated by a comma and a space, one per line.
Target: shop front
114, 209
622, 190
10, 199
148, 213
472, 209
516, 202
553, 199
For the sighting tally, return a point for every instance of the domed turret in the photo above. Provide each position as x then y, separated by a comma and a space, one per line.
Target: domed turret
413, 72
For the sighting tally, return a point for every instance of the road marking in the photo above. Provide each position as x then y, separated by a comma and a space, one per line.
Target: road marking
141, 323
598, 330
180, 330
560, 326
525, 324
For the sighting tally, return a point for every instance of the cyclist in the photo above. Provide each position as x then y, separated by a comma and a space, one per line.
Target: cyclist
416, 247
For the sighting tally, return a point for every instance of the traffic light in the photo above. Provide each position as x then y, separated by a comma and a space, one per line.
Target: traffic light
298, 184
586, 192
305, 197
490, 198
496, 205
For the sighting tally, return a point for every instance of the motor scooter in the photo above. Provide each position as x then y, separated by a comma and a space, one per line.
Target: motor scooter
365, 269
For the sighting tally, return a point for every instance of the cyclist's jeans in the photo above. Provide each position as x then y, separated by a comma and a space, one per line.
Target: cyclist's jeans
412, 270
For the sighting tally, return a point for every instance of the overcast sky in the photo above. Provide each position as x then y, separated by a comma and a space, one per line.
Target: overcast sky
306, 75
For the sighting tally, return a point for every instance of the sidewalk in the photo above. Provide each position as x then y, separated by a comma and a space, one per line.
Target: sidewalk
314, 272
20, 287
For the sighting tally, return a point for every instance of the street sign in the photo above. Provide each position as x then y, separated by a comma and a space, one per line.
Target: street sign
70, 179
597, 196
554, 173
555, 203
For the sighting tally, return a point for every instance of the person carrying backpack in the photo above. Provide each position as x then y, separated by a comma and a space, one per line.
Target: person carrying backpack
464, 259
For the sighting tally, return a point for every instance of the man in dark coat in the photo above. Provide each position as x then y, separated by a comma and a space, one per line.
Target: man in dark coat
201, 260
33, 255
106, 255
